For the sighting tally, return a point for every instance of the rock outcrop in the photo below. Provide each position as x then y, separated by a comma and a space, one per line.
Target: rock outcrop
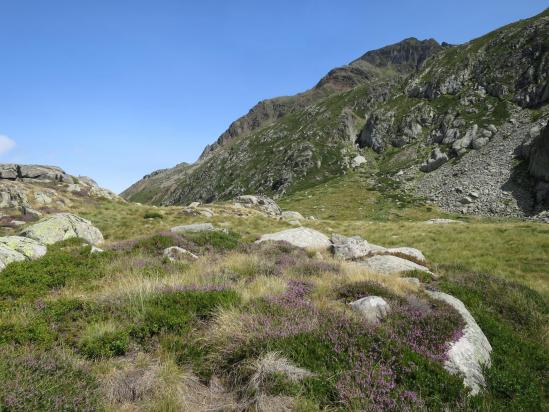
388, 264
471, 353
63, 226
301, 237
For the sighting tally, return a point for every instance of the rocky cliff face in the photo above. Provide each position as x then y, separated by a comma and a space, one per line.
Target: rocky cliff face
28, 191
309, 132
461, 116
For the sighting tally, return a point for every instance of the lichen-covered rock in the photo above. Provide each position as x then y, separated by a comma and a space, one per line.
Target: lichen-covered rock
8, 256
262, 203
301, 237
29, 248
373, 308
471, 353
353, 247
388, 264
62, 226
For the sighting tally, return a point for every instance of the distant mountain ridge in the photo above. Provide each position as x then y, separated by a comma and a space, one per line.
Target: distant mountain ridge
411, 97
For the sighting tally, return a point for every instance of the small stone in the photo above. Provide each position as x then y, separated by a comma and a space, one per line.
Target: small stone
175, 253
373, 308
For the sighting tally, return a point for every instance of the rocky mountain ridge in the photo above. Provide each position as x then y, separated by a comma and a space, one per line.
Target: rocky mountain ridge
409, 108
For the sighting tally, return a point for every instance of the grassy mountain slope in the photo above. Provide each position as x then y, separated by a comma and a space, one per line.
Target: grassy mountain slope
127, 329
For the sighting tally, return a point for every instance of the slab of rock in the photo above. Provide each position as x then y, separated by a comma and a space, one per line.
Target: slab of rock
408, 252
353, 247
194, 228
435, 160
301, 237
373, 308
471, 352
175, 253
29, 248
62, 226
388, 264
8, 256
291, 215
262, 203
441, 221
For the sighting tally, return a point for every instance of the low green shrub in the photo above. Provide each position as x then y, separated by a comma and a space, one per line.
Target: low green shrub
28, 280
177, 311
104, 340
153, 215
217, 239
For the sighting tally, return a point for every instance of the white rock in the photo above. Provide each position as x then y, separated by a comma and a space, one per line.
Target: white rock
388, 264
301, 237
471, 352
95, 249
175, 253
373, 308
357, 161
291, 215
196, 227
441, 221
407, 252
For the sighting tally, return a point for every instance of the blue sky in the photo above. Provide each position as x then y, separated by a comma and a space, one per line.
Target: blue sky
115, 89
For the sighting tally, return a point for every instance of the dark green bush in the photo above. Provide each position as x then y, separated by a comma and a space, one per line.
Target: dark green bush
216, 238
31, 279
178, 311
152, 215
104, 341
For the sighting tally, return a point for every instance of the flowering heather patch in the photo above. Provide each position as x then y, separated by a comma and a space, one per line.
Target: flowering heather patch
426, 327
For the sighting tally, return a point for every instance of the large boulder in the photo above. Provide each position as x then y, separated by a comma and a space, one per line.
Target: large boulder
301, 237
16, 248
262, 203
353, 247
435, 160
470, 353
194, 228
8, 256
62, 226
373, 308
29, 248
388, 264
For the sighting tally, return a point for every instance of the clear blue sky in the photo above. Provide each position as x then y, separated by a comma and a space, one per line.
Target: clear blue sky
115, 89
